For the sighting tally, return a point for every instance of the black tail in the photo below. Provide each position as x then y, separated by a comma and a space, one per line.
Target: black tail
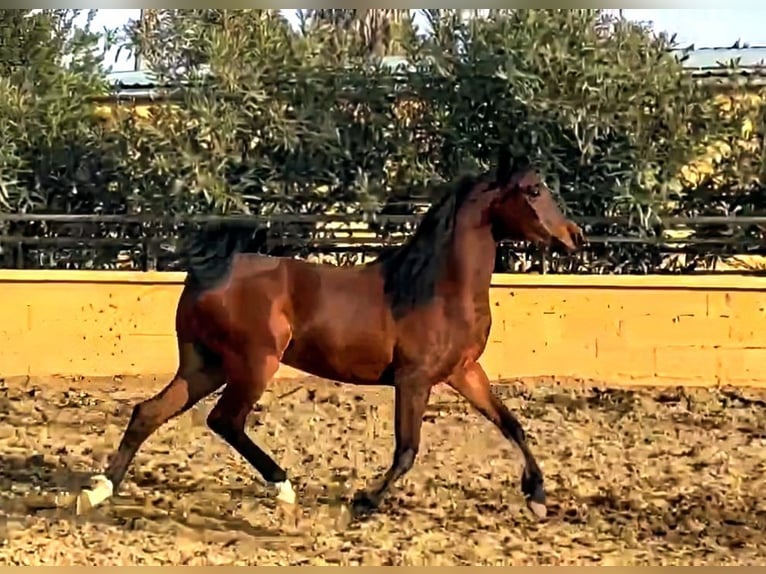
207, 255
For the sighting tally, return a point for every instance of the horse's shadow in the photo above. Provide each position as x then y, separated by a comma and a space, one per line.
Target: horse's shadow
36, 472
35, 485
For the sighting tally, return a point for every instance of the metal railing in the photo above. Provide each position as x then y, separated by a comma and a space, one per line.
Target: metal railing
147, 236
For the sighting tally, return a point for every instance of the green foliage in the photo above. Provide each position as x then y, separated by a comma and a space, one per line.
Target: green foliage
599, 103
260, 118
50, 148
268, 119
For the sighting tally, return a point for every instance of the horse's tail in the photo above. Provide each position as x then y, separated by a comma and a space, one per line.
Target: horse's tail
208, 253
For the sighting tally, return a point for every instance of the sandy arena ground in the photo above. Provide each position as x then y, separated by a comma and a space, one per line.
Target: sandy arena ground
633, 477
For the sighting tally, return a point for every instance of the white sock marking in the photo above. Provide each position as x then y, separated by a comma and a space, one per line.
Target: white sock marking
285, 492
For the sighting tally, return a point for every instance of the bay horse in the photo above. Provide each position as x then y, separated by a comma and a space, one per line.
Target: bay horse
416, 316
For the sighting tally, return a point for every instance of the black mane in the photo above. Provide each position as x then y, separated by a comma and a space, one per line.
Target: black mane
412, 270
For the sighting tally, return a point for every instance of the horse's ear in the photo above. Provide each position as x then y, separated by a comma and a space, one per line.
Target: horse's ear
504, 166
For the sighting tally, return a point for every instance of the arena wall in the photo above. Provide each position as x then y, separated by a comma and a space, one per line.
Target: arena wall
624, 330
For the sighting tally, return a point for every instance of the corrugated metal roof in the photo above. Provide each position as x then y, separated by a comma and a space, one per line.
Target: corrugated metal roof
702, 62
742, 65
748, 57
144, 79
131, 78
133, 84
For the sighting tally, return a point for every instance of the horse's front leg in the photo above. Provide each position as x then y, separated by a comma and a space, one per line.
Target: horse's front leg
472, 382
411, 399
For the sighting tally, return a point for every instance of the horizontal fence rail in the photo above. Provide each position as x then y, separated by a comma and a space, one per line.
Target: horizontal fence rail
342, 217
146, 242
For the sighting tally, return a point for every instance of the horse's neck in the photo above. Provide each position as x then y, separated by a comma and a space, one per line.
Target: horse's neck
473, 259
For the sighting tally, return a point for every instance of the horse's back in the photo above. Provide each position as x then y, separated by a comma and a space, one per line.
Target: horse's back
342, 324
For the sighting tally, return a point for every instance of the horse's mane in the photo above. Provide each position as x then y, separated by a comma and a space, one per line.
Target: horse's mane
412, 270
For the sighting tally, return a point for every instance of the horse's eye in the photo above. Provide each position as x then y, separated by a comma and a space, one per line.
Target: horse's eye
533, 191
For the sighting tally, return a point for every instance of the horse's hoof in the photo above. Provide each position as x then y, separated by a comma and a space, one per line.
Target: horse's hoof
363, 504
534, 492
101, 488
285, 492
537, 508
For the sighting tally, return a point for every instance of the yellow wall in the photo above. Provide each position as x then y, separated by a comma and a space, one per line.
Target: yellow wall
702, 330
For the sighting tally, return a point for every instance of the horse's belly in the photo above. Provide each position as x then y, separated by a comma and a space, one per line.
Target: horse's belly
357, 361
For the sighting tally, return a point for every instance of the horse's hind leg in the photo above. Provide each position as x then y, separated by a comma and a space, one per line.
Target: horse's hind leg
198, 376
227, 419
473, 383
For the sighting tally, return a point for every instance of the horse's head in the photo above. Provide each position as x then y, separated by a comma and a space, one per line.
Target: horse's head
524, 208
